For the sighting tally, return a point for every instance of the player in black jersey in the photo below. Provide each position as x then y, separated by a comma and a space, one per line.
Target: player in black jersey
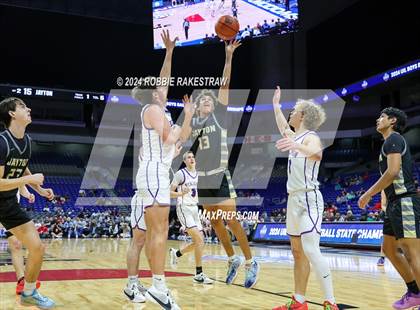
402, 225
15, 152
215, 188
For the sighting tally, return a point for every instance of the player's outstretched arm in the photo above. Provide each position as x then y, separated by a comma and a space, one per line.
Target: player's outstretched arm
189, 109
165, 72
281, 121
154, 117
230, 48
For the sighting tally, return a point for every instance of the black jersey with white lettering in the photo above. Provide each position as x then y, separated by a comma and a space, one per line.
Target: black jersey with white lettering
14, 156
209, 137
403, 184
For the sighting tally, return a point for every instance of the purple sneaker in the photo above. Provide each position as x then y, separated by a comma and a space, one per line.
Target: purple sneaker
408, 300
381, 261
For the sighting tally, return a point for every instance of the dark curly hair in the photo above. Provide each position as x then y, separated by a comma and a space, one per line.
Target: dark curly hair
400, 117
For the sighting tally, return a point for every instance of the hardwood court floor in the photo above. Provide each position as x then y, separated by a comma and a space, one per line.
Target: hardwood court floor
89, 274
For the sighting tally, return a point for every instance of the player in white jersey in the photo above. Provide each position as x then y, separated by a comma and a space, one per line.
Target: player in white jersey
159, 137
305, 204
184, 188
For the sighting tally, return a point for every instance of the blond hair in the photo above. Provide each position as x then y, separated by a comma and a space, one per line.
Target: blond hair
313, 114
184, 157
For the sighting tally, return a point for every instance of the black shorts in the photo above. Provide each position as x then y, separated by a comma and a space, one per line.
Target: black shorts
208, 193
12, 214
387, 229
404, 218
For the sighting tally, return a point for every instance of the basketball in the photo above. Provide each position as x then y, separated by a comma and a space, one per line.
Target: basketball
227, 27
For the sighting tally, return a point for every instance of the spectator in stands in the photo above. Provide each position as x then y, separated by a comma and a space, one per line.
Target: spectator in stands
56, 231
349, 217
283, 215
245, 34
265, 26
371, 217
272, 24
330, 217
43, 231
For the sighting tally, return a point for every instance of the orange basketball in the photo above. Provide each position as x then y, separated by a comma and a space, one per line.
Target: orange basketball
227, 27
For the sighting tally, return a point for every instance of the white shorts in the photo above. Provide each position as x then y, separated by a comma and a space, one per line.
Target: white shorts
153, 184
304, 212
137, 213
188, 216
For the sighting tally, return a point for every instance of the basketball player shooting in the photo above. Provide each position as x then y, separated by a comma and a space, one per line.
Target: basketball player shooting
305, 203
210, 144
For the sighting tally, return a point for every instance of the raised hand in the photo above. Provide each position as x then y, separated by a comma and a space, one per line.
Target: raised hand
277, 96
169, 44
189, 107
231, 46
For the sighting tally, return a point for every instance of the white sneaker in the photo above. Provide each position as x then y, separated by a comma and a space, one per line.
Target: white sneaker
203, 279
133, 293
141, 288
173, 259
163, 299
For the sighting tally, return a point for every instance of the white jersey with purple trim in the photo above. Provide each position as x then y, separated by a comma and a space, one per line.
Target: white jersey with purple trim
184, 177
152, 180
187, 206
154, 149
302, 173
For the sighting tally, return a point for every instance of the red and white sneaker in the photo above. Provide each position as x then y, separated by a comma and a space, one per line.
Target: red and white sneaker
293, 304
329, 306
20, 285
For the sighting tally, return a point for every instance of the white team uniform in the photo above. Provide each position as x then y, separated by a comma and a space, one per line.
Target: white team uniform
137, 213
152, 179
305, 203
187, 205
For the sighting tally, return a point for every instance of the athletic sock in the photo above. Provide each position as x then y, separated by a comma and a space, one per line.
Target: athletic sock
230, 258
178, 253
159, 282
299, 298
310, 244
198, 270
248, 262
133, 280
29, 288
412, 287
